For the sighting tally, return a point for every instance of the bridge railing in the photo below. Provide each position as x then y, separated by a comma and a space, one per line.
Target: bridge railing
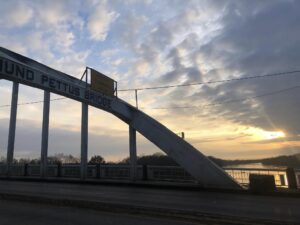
242, 175
151, 173
115, 171
297, 173
168, 173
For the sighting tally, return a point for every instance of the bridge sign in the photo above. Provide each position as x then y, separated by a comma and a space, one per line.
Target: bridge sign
102, 83
63, 85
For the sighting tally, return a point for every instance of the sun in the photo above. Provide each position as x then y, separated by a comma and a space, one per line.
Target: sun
272, 134
260, 134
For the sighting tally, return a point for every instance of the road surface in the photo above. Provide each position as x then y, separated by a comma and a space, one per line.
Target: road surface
12, 212
259, 208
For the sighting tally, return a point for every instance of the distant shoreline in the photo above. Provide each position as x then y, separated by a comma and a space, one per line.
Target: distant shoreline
274, 162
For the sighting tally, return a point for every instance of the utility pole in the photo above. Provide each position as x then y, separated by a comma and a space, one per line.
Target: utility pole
136, 98
182, 135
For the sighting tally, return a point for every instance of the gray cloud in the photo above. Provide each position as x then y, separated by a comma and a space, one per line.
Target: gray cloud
256, 38
264, 41
195, 41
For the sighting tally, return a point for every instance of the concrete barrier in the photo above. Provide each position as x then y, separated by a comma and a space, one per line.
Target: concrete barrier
262, 183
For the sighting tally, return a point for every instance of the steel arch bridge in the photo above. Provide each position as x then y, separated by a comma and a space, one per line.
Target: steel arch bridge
23, 70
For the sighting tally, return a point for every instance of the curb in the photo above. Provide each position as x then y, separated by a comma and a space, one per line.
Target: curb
175, 214
154, 185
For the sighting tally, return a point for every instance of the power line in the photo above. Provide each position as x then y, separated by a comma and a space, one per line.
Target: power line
35, 102
229, 101
185, 107
214, 82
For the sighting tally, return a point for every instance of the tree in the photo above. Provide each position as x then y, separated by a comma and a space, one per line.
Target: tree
66, 159
54, 160
2, 159
24, 161
156, 159
96, 159
70, 159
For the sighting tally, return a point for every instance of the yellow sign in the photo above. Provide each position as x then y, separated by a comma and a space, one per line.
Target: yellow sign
102, 83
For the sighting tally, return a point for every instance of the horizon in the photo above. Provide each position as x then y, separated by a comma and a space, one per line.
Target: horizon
77, 157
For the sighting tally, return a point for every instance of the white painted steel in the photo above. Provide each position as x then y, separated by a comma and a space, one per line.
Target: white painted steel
132, 152
45, 134
193, 161
12, 127
84, 141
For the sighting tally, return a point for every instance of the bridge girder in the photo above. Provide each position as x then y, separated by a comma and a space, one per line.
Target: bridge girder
21, 69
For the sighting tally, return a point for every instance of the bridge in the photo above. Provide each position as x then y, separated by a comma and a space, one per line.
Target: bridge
23, 70
207, 194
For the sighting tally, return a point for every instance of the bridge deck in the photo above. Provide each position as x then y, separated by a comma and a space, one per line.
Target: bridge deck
12, 212
192, 202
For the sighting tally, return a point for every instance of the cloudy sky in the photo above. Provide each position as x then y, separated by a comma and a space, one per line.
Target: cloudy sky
162, 42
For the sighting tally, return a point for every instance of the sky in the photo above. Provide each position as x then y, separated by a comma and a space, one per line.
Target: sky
148, 43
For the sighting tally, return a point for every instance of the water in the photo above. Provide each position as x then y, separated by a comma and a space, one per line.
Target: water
255, 166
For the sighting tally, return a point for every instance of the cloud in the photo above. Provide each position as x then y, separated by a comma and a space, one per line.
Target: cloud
252, 43
56, 13
99, 21
171, 42
289, 139
15, 14
130, 26
252, 39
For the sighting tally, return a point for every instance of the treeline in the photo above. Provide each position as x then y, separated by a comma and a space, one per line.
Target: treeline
223, 162
59, 158
285, 160
159, 159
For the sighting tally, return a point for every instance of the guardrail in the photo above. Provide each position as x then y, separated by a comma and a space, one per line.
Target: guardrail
169, 173
242, 175
151, 173
297, 174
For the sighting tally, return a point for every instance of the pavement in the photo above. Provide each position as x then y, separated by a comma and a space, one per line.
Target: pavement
12, 212
191, 206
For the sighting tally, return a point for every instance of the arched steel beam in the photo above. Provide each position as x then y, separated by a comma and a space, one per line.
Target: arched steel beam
26, 71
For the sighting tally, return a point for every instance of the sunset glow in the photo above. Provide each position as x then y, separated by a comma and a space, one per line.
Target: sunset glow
273, 134
148, 44
259, 134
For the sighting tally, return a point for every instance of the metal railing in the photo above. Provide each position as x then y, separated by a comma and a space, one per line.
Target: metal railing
169, 173
242, 175
151, 173
297, 174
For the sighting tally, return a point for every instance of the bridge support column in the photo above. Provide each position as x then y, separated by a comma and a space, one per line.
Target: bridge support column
45, 134
132, 150
84, 141
12, 127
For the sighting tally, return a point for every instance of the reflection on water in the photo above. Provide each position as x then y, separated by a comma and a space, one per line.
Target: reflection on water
256, 166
